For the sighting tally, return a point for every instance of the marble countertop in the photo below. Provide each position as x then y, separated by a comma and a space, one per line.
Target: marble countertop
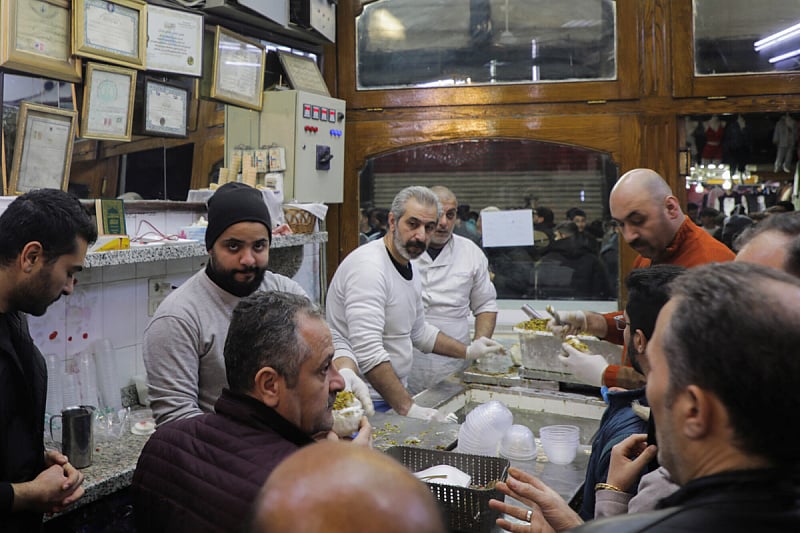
161, 252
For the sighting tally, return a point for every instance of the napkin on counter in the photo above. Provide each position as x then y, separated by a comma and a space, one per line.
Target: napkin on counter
316, 209
444, 474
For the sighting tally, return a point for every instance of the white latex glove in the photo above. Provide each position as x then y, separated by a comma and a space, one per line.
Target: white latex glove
356, 385
572, 323
482, 347
429, 413
588, 368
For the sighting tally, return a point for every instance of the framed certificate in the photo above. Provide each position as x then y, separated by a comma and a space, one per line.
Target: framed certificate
164, 109
174, 41
114, 31
237, 70
43, 148
107, 110
36, 38
303, 73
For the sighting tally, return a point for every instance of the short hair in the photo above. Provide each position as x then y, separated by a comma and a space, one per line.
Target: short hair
546, 213
786, 204
691, 205
732, 334
421, 194
709, 212
50, 216
567, 229
573, 212
648, 291
263, 332
785, 223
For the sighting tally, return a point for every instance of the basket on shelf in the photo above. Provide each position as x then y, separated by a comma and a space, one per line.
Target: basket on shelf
466, 508
299, 220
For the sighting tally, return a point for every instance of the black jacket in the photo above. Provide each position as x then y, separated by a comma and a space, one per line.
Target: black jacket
571, 270
742, 501
23, 391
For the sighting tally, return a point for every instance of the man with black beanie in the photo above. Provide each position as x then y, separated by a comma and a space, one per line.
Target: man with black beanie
183, 342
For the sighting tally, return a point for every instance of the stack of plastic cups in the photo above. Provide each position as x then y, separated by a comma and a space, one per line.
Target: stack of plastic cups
518, 445
560, 443
483, 427
87, 377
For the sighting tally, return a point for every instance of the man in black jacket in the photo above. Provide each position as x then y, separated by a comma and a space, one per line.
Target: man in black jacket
723, 393
44, 235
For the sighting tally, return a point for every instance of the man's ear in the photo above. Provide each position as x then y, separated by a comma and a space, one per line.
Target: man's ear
639, 341
269, 386
31, 253
699, 411
673, 207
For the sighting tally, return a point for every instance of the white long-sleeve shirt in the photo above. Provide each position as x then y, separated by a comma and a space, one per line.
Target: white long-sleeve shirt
454, 285
378, 311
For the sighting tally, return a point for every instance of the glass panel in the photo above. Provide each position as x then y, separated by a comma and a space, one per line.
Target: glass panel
531, 177
742, 36
430, 43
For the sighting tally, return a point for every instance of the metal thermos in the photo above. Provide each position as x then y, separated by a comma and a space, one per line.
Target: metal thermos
77, 438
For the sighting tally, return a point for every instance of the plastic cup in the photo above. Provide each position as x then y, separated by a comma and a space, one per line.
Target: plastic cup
560, 443
518, 444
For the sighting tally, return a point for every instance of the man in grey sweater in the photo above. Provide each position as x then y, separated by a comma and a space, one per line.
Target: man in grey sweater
183, 342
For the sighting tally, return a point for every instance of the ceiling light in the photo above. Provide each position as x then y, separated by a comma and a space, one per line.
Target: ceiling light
777, 37
787, 55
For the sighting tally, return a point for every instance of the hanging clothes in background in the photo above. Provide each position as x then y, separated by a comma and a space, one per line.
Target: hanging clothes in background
736, 144
784, 138
714, 131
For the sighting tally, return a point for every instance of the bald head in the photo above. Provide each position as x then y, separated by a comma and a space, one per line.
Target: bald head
443, 193
341, 487
647, 213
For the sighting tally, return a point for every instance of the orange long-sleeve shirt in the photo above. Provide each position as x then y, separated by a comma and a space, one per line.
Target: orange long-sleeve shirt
692, 246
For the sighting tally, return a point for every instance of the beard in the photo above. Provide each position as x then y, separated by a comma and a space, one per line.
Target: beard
226, 279
410, 249
632, 357
34, 297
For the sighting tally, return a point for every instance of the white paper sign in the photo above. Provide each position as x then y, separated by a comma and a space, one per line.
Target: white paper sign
507, 228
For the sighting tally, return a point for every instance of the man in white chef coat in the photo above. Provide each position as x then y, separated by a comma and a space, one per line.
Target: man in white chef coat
454, 273
375, 302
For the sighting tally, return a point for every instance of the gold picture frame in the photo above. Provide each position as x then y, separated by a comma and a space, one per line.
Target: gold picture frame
108, 95
45, 135
236, 66
36, 38
113, 31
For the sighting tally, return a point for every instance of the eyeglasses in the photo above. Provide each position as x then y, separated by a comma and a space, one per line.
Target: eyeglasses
620, 322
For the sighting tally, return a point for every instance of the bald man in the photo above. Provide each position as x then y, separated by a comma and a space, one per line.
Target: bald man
649, 218
330, 487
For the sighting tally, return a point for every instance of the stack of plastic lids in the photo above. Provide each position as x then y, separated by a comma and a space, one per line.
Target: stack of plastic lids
483, 427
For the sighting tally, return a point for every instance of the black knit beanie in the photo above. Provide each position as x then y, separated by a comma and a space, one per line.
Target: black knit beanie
232, 203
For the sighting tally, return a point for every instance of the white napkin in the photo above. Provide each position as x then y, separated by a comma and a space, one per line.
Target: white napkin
444, 474
316, 209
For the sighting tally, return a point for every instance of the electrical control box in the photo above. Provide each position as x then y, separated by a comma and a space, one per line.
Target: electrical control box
311, 129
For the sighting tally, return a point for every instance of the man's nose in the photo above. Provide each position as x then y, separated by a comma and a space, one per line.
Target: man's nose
247, 257
69, 286
336, 381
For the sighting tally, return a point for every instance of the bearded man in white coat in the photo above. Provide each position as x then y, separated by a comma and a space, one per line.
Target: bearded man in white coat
375, 302
455, 280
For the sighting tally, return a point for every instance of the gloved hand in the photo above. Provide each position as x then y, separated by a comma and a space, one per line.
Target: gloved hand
429, 413
482, 347
588, 368
356, 385
571, 323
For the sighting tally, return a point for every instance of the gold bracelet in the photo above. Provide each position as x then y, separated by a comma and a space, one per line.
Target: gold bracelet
607, 486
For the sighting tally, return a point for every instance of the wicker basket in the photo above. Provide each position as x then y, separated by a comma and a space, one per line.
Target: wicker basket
299, 220
466, 509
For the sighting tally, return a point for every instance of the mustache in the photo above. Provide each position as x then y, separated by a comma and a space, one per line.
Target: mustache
417, 244
246, 270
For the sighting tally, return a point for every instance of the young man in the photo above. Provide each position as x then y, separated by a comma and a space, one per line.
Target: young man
203, 473
183, 342
44, 235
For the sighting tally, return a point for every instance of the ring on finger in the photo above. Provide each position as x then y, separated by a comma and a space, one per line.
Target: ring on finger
528, 515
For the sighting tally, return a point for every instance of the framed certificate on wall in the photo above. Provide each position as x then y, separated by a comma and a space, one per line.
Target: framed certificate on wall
36, 38
174, 41
162, 108
43, 148
234, 70
114, 31
107, 110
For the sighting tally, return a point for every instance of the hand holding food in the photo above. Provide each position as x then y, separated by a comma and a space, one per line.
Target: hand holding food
347, 413
587, 368
483, 347
357, 386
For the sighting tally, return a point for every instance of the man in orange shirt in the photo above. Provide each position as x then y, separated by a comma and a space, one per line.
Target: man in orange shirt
649, 218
